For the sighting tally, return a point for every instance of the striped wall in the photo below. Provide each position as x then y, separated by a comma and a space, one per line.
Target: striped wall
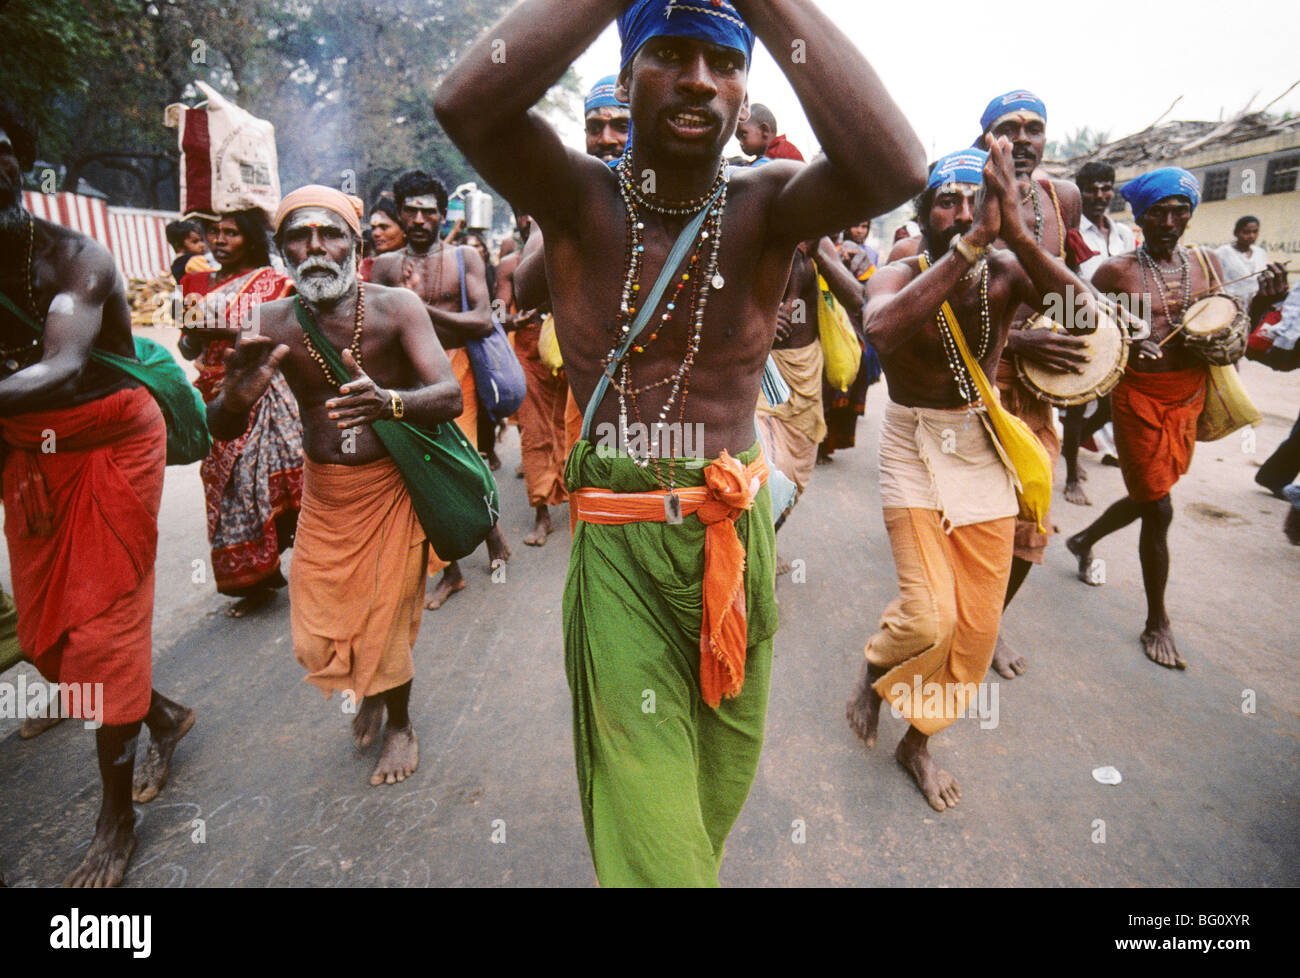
136, 238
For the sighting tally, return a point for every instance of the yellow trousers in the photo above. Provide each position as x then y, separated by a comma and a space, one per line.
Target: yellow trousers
937, 637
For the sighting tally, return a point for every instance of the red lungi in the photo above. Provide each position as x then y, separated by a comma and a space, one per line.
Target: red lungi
1155, 418
82, 488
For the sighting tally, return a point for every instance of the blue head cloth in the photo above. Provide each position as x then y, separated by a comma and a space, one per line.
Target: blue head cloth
714, 21
1168, 181
1018, 100
602, 95
963, 166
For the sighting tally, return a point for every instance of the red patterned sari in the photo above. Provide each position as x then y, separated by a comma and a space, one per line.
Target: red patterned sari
252, 485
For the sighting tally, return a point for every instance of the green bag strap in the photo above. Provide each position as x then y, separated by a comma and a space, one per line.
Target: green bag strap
309, 326
675, 258
132, 368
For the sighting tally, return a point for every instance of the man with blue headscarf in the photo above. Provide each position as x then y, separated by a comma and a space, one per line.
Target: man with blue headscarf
1157, 402
668, 647
1051, 210
606, 121
948, 497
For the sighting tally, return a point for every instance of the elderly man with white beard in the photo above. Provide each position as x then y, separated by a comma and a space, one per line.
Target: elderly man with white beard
356, 584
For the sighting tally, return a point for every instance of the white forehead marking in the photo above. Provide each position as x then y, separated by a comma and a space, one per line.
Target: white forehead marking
315, 216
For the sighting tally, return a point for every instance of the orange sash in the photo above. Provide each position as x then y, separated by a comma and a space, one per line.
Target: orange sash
729, 490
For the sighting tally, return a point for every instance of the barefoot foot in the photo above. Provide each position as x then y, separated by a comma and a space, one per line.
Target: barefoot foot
368, 721
35, 726
1074, 493
939, 787
400, 758
247, 605
1091, 569
541, 530
152, 774
1158, 644
498, 549
863, 708
443, 590
1006, 663
110, 851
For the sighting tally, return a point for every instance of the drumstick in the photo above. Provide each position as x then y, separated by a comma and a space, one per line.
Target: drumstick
1212, 290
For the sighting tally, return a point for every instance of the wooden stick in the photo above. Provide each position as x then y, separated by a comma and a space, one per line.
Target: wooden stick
1211, 290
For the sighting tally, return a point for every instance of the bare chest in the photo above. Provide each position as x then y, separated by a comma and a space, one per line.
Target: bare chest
434, 276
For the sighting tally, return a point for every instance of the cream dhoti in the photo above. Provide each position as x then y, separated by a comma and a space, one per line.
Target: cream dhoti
949, 506
796, 427
356, 583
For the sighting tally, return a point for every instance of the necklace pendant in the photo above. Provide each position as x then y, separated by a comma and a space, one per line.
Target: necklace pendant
718, 281
672, 508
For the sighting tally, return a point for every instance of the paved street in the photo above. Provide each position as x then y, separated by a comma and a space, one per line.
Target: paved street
1209, 792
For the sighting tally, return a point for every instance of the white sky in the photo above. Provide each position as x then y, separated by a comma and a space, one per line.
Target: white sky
1109, 64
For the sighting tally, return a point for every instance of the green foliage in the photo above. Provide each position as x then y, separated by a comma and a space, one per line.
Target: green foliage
348, 85
1081, 142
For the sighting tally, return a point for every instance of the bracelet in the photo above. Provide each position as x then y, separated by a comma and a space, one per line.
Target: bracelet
396, 405
970, 252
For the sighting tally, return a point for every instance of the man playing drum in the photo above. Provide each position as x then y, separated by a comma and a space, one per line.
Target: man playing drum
1051, 210
1157, 403
949, 499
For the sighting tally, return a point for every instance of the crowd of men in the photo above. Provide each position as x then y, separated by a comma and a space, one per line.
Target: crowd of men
699, 302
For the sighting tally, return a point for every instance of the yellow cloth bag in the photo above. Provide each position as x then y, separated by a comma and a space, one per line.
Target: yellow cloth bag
840, 344
1227, 406
1030, 463
548, 347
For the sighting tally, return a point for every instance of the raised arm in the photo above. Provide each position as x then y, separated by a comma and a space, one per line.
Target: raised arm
72, 325
871, 160
900, 303
484, 103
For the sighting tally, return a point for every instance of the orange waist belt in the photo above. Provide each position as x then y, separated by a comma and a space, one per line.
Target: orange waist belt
729, 489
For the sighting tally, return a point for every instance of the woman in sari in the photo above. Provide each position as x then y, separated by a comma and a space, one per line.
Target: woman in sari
252, 485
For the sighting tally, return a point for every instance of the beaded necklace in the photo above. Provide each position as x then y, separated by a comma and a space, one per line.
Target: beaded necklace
961, 376
1145, 260
408, 266
1038, 209
11, 354
701, 275
357, 330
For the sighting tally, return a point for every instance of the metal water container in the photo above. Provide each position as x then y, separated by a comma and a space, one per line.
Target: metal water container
478, 210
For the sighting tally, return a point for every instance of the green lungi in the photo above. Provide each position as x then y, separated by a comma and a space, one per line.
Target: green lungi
662, 776
10, 653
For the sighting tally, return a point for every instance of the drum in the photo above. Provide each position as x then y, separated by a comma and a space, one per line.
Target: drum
1107, 349
1215, 330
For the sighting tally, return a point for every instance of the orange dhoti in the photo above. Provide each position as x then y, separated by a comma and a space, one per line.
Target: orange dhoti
1155, 418
1040, 416
468, 420
82, 488
356, 583
542, 432
949, 507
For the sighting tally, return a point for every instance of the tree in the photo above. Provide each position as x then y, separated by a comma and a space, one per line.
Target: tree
348, 86
1081, 142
